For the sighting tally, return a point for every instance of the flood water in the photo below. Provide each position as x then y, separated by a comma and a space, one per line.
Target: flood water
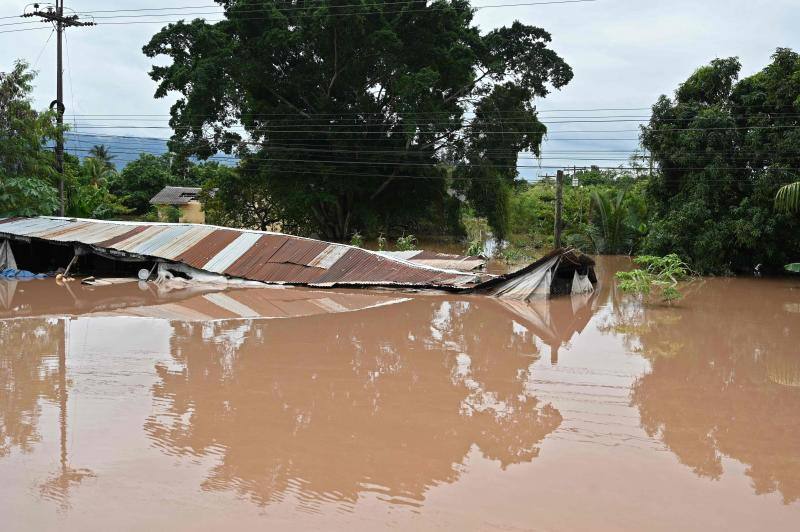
125, 409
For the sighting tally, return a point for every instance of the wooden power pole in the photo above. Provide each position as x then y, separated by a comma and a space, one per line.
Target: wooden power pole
55, 14
559, 208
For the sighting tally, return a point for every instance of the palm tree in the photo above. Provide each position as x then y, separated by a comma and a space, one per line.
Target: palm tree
101, 153
614, 228
788, 197
97, 171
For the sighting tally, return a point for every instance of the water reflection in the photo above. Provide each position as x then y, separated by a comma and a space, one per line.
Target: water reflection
32, 370
724, 379
328, 407
29, 373
354, 395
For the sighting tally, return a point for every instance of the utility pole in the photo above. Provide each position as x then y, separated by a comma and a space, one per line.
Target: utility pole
559, 208
55, 14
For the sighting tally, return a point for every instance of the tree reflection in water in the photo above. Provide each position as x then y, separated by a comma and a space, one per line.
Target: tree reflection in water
29, 372
32, 369
327, 407
725, 379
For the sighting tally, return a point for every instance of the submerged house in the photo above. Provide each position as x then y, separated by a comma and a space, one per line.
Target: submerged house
204, 252
185, 199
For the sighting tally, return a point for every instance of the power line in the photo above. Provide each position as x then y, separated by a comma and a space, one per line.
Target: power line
39, 57
357, 9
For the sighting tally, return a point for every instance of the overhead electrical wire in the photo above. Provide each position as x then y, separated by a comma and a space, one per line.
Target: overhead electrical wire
357, 10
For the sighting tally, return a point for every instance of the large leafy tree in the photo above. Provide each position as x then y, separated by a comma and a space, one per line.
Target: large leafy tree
724, 147
347, 110
142, 179
26, 165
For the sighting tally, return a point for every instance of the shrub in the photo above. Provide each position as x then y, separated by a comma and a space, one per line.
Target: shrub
657, 277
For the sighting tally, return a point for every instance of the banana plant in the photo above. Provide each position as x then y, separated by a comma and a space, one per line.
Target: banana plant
788, 199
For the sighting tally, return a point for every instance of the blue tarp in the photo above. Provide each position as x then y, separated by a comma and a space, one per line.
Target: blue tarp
11, 273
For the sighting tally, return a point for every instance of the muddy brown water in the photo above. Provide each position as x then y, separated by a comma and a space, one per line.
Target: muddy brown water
122, 408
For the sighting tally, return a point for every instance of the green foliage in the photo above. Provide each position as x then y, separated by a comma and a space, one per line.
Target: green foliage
513, 253
101, 154
724, 147
142, 179
27, 177
617, 222
475, 248
26, 196
357, 240
399, 83
235, 197
169, 213
793, 267
600, 218
406, 243
87, 190
152, 215
658, 277
788, 197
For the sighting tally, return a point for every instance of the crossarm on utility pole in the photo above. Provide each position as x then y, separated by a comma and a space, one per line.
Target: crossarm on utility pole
61, 22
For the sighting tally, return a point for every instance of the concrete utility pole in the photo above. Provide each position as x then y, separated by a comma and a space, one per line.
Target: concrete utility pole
55, 14
559, 208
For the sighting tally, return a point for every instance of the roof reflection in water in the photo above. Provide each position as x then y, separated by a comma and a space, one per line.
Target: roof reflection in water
392, 404
325, 406
324, 410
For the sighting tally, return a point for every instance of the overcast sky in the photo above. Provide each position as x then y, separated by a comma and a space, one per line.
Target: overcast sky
625, 53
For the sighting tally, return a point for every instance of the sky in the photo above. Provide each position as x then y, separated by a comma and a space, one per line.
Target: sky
625, 53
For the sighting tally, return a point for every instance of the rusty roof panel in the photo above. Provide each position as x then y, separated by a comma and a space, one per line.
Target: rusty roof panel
130, 244
299, 251
359, 266
257, 256
206, 248
230, 253
124, 236
288, 273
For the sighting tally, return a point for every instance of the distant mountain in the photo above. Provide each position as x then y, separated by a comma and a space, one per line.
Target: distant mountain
124, 148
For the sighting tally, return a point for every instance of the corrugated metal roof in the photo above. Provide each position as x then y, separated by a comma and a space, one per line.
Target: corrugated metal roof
175, 195
255, 255
447, 261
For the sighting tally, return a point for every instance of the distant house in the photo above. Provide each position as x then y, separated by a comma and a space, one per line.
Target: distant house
185, 199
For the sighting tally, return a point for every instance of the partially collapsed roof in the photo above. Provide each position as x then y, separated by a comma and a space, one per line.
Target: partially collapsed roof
447, 261
274, 257
176, 196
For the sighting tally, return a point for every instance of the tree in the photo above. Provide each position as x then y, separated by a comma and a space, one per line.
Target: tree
616, 222
100, 153
353, 109
724, 147
87, 189
235, 198
26, 165
142, 179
